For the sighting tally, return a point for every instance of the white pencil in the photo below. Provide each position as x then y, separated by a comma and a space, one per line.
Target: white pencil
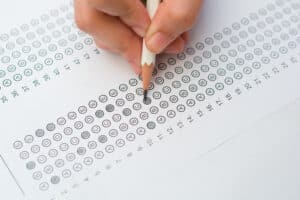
148, 58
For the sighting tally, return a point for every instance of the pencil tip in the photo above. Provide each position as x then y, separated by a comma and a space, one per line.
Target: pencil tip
145, 94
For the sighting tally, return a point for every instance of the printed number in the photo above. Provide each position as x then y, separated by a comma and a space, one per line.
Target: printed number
190, 119
150, 142
228, 96
86, 56
219, 102
284, 65
199, 113
170, 131
96, 51
67, 67
209, 107
77, 61
180, 124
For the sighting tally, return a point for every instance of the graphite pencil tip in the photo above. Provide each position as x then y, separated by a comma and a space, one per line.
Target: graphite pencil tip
145, 95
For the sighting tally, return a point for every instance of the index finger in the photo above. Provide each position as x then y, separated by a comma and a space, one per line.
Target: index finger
132, 12
172, 18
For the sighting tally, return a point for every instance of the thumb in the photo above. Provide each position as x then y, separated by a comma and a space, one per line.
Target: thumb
172, 18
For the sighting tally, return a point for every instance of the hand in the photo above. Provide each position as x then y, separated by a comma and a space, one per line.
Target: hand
120, 25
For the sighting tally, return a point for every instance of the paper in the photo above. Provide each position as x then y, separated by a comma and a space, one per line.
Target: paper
73, 124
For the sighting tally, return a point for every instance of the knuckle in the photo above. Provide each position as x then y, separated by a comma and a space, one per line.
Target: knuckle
94, 2
129, 11
84, 21
183, 19
100, 3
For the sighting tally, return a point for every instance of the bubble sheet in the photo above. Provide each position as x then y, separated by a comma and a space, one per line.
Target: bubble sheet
209, 73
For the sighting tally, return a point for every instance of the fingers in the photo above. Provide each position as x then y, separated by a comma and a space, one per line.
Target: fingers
132, 12
117, 25
177, 45
109, 33
173, 18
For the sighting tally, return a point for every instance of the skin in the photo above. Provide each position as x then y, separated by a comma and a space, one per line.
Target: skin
120, 26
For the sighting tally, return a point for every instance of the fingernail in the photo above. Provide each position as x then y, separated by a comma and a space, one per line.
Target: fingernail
136, 68
174, 49
158, 42
141, 31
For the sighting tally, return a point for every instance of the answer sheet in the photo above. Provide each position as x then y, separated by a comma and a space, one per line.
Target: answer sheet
73, 123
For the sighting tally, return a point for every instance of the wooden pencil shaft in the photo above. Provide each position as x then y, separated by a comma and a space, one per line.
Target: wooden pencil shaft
147, 71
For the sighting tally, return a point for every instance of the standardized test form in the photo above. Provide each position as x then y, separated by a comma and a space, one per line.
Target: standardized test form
74, 126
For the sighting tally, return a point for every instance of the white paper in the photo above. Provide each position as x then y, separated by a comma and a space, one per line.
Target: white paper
46, 158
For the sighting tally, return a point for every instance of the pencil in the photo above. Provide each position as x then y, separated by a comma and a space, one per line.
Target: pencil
148, 58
